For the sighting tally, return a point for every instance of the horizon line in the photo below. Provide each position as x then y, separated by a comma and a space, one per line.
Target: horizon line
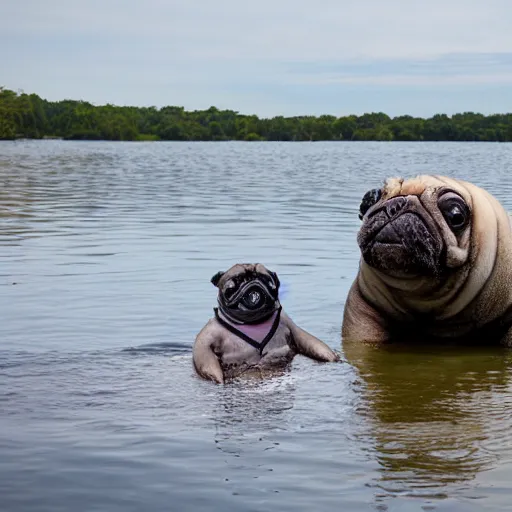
19, 91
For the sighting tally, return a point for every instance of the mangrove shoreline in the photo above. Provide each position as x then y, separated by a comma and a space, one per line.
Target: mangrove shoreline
27, 116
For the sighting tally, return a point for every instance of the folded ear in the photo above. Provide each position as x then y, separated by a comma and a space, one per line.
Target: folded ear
216, 278
275, 278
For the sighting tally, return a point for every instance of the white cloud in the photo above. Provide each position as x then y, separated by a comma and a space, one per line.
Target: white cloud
273, 29
409, 80
201, 52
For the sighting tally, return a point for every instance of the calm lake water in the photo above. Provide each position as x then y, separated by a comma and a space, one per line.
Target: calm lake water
106, 252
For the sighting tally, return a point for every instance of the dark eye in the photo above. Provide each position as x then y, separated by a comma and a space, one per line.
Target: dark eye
369, 199
455, 211
229, 288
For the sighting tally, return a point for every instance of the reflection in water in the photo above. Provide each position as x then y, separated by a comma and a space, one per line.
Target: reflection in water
249, 406
112, 247
16, 212
436, 413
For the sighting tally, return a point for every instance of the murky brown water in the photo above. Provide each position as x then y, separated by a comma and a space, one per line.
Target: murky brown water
111, 247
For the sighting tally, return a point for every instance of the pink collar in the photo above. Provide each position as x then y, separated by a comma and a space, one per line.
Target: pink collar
257, 335
255, 331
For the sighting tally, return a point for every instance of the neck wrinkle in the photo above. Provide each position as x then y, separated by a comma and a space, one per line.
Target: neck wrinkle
405, 298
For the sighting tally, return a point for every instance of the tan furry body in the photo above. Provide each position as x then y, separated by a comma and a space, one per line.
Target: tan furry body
473, 301
220, 355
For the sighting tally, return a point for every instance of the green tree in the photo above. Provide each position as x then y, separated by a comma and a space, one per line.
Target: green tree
28, 115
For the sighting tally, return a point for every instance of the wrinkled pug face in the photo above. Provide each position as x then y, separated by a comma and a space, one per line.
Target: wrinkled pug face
248, 293
415, 228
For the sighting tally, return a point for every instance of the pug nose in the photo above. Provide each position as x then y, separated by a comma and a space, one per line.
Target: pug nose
254, 297
394, 205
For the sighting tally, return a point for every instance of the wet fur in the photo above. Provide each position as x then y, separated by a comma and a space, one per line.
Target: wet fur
469, 297
220, 355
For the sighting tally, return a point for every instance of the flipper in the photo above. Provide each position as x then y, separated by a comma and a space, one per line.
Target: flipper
309, 345
206, 363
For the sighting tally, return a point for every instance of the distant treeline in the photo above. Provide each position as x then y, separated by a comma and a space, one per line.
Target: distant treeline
29, 116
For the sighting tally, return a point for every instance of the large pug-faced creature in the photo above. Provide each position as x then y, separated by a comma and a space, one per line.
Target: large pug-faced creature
436, 265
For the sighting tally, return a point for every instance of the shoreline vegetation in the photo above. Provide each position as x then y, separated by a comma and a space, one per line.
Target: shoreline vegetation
27, 116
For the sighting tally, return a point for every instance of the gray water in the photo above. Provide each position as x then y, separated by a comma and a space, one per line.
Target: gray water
106, 252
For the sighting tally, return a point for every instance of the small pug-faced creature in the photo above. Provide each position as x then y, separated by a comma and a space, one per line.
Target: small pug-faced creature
250, 330
436, 264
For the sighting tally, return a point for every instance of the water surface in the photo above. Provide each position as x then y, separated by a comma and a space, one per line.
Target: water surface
106, 252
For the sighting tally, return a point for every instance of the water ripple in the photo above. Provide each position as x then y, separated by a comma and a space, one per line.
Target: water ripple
112, 247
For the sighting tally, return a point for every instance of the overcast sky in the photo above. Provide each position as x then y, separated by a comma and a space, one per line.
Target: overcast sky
270, 57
